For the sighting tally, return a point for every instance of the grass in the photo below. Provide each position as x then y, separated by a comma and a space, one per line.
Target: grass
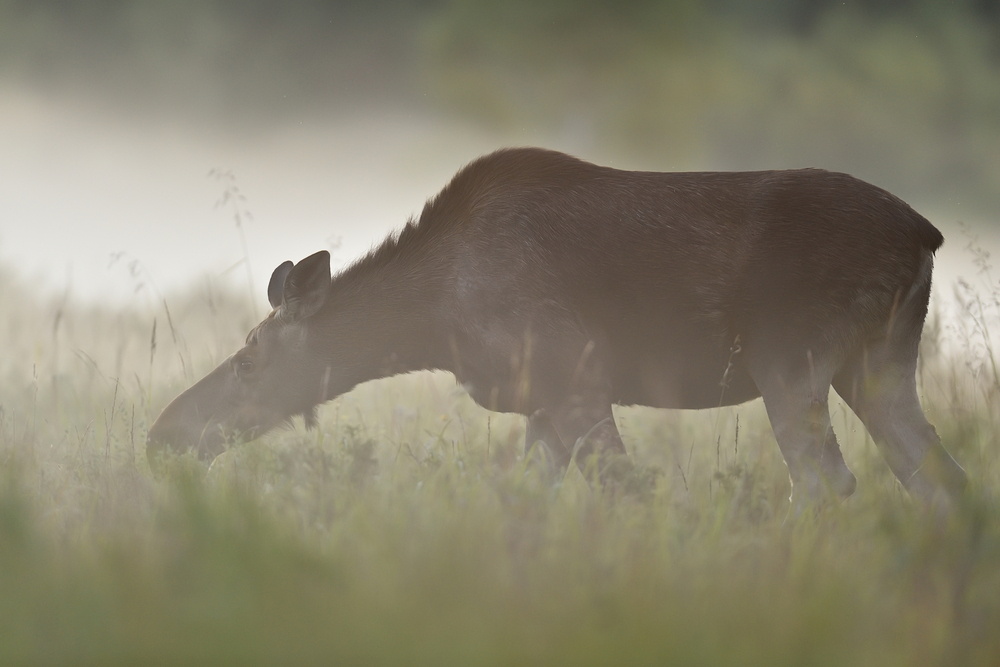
407, 529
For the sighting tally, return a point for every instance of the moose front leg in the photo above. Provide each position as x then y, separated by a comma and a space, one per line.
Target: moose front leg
541, 430
588, 429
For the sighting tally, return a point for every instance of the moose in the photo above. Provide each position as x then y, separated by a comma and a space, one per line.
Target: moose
556, 288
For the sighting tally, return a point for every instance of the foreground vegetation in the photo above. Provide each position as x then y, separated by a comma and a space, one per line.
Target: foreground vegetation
408, 530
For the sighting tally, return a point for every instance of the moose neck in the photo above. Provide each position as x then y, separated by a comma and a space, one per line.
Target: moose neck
383, 317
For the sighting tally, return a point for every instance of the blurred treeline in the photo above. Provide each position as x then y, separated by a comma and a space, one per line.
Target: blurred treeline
906, 94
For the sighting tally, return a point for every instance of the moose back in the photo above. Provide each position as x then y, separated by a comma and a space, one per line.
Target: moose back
555, 288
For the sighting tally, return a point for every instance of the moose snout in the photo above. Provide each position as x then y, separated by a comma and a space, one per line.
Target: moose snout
191, 422
169, 435
165, 435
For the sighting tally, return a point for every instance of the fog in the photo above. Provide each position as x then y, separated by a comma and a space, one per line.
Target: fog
336, 122
118, 208
157, 161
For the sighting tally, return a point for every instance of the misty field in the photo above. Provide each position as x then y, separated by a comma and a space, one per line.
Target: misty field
407, 529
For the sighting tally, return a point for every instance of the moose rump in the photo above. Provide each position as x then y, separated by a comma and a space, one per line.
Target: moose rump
556, 288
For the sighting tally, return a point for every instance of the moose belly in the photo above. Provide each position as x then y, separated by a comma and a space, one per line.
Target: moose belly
687, 382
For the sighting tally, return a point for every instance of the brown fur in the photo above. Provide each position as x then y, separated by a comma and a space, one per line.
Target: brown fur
555, 288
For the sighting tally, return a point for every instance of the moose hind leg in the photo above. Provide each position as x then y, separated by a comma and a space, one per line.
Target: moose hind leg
882, 391
541, 431
800, 418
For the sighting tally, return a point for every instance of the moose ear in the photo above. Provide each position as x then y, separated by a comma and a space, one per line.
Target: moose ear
275, 288
306, 287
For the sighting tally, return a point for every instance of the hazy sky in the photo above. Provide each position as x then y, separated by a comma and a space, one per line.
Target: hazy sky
80, 185
338, 122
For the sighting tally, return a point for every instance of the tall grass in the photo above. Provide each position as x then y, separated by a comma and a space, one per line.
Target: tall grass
407, 529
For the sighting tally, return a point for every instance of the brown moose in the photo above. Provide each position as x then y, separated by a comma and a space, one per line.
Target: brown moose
556, 288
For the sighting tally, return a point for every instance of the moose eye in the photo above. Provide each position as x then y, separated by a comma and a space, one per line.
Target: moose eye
244, 367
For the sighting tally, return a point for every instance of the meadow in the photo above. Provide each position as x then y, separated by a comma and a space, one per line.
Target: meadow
408, 529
